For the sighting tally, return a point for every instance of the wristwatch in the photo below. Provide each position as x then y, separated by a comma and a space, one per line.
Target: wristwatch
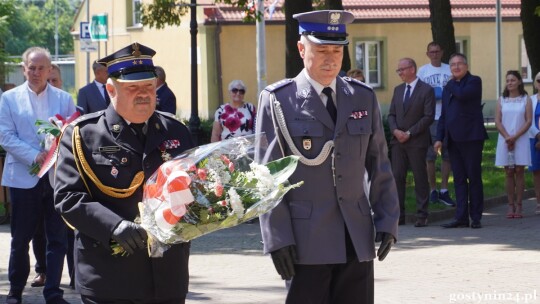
408, 132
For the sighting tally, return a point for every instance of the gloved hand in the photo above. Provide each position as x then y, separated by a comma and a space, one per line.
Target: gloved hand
284, 260
387, 240
130, 236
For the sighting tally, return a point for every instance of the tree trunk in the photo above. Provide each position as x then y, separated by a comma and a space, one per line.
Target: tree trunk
531, 35
442, 26
293, 61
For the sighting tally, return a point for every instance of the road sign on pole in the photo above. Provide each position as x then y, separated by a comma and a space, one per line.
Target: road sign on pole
85, 38
84, 32
98, 28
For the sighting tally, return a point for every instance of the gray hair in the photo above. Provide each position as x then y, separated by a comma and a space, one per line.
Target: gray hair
160, 72
36, 50
238, 84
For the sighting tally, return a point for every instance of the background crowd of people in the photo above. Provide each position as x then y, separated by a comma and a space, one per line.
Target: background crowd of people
322, 238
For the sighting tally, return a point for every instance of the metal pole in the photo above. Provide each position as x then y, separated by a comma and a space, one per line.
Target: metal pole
498, 47
194, 121
87, 53
55, 30
261, 48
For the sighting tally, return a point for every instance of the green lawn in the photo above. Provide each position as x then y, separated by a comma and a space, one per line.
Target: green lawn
492, 176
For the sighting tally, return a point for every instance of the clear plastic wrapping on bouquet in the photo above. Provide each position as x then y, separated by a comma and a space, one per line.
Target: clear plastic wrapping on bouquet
211, 187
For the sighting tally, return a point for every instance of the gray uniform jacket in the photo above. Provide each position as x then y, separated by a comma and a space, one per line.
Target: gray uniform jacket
313, 217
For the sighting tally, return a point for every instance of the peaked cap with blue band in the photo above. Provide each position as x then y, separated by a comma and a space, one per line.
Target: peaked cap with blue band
324, 27
132, 63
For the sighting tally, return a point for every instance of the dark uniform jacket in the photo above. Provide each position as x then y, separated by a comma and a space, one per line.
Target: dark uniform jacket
115, 155
313, 216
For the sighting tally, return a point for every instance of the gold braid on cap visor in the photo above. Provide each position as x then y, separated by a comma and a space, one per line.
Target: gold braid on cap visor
83, 166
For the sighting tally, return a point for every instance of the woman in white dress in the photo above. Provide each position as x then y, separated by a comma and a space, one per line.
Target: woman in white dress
513, 118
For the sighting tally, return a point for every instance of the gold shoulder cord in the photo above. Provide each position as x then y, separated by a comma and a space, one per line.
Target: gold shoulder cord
83, 167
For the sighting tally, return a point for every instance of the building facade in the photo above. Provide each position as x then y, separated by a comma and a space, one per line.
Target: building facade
383, 32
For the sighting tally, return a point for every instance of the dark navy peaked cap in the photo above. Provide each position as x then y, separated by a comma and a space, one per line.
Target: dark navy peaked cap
325, 27
132, 63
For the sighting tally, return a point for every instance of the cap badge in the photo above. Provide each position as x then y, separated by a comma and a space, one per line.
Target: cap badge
136, 51
334, 18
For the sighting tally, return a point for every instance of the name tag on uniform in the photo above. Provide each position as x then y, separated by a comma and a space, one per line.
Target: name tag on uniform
109, 149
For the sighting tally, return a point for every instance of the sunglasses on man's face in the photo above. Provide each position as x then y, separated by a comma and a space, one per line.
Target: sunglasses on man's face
236, 91
538, 80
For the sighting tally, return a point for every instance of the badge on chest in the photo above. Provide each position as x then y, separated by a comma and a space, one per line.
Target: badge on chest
306, 143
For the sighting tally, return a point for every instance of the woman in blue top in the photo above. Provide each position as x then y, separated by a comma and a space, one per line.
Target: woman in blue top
534, 135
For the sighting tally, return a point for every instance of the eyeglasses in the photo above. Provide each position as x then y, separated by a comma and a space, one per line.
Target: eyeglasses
434, 52
236, 91
400, 70
537, 80
455, 64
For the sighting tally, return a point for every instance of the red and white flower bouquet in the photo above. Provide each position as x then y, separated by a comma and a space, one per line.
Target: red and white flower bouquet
51, 130
208, 188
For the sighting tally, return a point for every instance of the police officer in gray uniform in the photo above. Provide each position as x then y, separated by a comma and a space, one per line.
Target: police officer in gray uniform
104, 159
322, 235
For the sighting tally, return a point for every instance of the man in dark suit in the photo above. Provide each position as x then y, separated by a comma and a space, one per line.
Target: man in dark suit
411, 113
93, 97
166, 101
104, 160
322, 236
462, 125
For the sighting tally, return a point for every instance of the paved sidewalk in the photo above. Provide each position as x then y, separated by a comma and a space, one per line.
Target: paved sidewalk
497, 264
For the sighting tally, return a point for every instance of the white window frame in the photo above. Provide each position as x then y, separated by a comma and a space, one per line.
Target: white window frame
136, 12
371, 64
460, 46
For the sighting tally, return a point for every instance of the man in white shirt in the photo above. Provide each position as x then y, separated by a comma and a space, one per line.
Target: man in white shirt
31, 196
436, 73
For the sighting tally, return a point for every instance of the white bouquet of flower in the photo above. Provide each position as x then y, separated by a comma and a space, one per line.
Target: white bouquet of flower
208, 188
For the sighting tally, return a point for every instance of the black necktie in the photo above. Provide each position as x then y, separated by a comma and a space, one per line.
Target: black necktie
139, 132
330, 106
407, 96
106, 95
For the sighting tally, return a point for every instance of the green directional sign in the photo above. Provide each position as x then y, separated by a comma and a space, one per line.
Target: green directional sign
98, 28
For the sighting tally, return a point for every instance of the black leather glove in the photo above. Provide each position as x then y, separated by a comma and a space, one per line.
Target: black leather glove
387, 240
130, 236
284, 260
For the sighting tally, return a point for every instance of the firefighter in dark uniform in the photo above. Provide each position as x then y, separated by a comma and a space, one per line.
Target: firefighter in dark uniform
104, 160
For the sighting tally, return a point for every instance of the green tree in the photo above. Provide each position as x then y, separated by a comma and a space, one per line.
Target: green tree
8, 12
168, 12
35, 25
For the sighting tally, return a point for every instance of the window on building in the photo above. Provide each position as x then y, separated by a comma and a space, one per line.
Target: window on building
368, 59
136, 14
526, 72
461, 46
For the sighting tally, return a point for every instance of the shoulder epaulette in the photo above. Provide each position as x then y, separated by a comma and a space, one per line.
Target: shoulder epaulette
166, 114
358, 82
278, 85
87, 117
